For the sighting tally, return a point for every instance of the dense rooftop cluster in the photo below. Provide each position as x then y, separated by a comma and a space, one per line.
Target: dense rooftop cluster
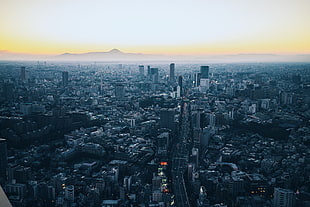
107, 134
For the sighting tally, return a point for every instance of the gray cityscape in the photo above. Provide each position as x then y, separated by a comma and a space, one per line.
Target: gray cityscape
154, 134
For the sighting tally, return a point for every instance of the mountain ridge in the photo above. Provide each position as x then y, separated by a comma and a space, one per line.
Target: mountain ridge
118, 55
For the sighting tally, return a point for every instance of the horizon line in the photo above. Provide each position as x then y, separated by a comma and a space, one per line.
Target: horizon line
155, 53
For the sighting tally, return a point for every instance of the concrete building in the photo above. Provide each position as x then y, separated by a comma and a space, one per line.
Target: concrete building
283, 198
172, 70
204, 70
69, 193
167, 118
141, 70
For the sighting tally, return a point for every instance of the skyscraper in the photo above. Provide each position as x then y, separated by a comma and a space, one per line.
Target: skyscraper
180, 83
23, 73
3, 159
65, 78
204, 79
283, 198
154, 75
196, 79
149, 72
204, 70
167, 118
171, 77
141, 70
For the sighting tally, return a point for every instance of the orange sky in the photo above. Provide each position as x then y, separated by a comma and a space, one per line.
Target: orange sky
158, 27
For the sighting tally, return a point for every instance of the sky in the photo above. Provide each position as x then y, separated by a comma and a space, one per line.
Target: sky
155, 26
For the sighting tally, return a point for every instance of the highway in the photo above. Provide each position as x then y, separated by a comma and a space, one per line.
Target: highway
179, 164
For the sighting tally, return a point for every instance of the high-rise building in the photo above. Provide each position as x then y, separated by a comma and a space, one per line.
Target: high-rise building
195, 157
196, 79
204, 79
204, 70
171, 77
167, 118
148, 71
180, 83
204, 84
3, 159
283, 198
69, 193
190, 170
127, 183
141, 70
122, 193
23, 73
212, 119
154, 75
197, 136
205, 137
65, 78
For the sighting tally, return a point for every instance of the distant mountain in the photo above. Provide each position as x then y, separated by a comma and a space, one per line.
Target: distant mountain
112, 55
119, 56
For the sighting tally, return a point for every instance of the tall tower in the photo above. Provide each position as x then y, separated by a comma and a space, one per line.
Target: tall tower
3, 159
180, 83
204, 70
65, 78
149, 72
171, 77
154, 75
204, 80
23, 73
283, 198
141, 70
196, 79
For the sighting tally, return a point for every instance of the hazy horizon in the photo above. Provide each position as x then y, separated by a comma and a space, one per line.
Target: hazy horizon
121, 56
190, 28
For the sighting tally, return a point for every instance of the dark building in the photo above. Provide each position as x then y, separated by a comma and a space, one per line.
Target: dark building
204, 70
141, 70
3, 159
148, 71
154, 75
180, 83
65, 78
283, 197
171, 77
23, 73
196, 79
167, 118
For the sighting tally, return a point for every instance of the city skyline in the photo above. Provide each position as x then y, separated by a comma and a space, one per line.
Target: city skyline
168, 28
